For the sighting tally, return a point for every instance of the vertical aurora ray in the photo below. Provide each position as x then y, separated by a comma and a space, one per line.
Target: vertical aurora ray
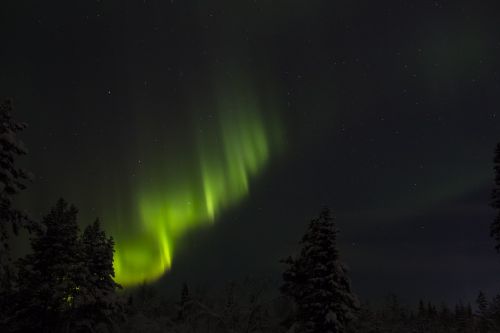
230, 152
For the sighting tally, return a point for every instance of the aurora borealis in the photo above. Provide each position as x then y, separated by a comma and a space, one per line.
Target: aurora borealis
229, 154
205, 134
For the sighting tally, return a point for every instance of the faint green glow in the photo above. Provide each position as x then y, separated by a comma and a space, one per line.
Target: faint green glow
231, 150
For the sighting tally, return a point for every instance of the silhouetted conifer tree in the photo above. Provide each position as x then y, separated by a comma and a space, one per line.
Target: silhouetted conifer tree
317, 281
483, 316
12, 180
423, 322
230, 311
97, 301
367, 321
495, 312
48, 277
463, 318
495, 202
445, 318
66, 283
183, 303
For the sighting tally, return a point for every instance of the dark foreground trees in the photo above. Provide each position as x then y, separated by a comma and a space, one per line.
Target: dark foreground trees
12, 180
317, 281
495, 203
66, 284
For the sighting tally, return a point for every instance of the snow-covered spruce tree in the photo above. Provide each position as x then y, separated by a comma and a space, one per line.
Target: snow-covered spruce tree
97, 302
484, 322
231, 315
494, 311
317, 281
183, 304
66, 283
495, 202
48, 277
12, 181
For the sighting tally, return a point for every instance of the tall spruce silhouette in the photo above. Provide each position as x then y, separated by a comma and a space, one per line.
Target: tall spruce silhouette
98, 302
495, 202
66, 283
12, 180
317, 281
49, 276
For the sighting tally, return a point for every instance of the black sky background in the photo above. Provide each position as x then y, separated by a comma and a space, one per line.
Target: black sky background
390, 111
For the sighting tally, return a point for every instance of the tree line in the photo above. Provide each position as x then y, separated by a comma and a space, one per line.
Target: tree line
66, 282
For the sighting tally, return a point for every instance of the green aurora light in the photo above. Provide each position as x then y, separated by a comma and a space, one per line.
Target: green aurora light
228, 156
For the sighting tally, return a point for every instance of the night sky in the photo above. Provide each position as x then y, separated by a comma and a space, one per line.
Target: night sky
227, 125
